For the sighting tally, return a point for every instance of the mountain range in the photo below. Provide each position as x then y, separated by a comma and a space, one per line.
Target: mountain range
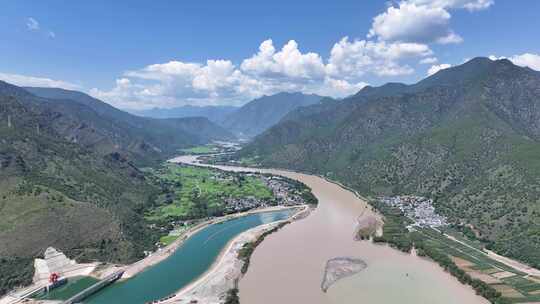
467, 136
143, 139
70, 177
215, 114
259, 114
246, 121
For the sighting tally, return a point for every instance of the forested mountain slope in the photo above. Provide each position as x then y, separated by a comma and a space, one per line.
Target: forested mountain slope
55, 191
468, 136
143, 139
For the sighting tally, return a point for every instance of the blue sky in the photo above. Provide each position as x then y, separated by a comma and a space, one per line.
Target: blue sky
141, 54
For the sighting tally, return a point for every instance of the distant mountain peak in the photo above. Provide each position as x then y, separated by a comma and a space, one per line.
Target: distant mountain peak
387, 89
215, 114
261, 113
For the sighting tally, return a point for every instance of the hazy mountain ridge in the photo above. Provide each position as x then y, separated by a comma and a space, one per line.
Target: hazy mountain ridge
259, 114
215, 114
466, 136
144, 139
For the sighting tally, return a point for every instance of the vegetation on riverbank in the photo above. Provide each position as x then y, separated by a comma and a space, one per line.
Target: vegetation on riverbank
467, 137
433, 244
190, 192
426, 249
232, 297
297, 187
247, 250
395, 232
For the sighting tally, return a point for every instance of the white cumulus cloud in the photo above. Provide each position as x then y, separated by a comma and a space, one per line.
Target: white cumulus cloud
352, 59
525, 60
288, 62
413, 23
339, 87
174, 83
270, 70
423, 21
435, 68
32, 81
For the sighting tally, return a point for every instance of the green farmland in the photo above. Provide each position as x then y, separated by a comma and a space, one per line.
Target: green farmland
194, 192
514, 286
200, 150
462, 257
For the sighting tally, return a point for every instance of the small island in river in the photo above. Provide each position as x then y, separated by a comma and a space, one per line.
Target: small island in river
339, 268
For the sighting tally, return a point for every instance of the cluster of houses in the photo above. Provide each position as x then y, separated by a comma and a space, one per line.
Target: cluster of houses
284, 194
233, 205
419, 209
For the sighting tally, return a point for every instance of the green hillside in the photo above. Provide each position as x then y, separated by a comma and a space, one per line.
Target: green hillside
56, 193
467, 136
99, 126
69, 179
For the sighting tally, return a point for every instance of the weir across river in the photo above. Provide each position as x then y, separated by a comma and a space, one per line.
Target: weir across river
94, 288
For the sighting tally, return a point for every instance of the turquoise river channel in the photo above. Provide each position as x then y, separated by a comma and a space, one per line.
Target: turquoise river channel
185, 265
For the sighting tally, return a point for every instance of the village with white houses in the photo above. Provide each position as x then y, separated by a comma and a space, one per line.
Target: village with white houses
284, 195
419, 209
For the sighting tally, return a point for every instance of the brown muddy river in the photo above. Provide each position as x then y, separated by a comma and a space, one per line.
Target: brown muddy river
288, 266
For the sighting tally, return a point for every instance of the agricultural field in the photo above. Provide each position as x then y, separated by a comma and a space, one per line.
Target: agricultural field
514, 286
168, 239
194, 192
463, 257
207, 149
174, 234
